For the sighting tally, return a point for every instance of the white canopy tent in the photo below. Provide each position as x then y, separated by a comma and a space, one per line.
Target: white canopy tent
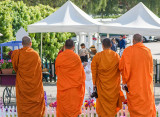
137, 20
68, 18
1, 34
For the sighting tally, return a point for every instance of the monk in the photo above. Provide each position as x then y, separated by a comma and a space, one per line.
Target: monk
70, 82
106, 77
29, 88
136, 66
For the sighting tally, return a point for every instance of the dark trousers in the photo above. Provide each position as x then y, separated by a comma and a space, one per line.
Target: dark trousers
84, 58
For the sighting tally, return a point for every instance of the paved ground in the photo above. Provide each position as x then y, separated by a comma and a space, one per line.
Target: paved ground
155, 49
51, 88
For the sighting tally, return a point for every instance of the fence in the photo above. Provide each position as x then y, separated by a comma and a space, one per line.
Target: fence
51, 112
51, 66
156, 70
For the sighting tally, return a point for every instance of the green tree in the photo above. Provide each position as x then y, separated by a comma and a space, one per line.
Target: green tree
15, 15
100, 7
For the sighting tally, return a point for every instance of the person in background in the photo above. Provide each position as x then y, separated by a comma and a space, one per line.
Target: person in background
124, 37
114, 45
106, 77
88, 81
29, 87
92, 51
122, 44
136, 66
83, 53
70, 82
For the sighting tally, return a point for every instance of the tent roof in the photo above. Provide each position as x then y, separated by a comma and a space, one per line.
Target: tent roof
1, 34
68, 18
137, 20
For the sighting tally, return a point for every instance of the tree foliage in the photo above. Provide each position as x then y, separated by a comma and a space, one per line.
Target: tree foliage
101, 7
14, 15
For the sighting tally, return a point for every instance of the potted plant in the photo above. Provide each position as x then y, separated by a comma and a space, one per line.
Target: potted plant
6, 66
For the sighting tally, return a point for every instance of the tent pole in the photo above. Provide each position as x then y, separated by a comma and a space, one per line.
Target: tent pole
41, 46
98, 42
131, 38
1, 52
107, 35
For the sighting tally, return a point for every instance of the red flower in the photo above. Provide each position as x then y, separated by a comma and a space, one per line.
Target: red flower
10, 53
94, 38
125, 102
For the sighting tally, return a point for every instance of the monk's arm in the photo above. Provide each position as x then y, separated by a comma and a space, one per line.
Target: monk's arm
94, 69
125, 64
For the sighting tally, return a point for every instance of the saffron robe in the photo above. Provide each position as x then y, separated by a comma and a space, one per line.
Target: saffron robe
106, 76
136, 66
70, 84
29, 88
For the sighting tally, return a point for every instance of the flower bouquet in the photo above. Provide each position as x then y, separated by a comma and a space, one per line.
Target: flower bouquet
125, 102
53, 104
90, 103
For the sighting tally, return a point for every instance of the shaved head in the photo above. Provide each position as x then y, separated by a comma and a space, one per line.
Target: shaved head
26, 41
106, 43
137, 38
69, 44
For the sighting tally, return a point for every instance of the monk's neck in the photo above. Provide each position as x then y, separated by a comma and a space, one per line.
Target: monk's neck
138, 43
106, 49
68, 50
25, 47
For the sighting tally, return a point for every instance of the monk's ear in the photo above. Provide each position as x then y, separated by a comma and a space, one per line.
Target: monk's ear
102, 47
133, 41
73, 47
31, 44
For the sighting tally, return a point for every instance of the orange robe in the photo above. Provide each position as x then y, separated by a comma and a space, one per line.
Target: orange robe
29, 88
106, 76
70, 84
136, 66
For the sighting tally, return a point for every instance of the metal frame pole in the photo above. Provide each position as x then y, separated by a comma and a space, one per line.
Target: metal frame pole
1, 52
41, 46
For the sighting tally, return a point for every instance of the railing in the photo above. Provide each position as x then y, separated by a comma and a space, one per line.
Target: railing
156, 70
51, 112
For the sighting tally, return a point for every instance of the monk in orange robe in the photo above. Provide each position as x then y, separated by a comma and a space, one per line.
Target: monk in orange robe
70, 82
106, 77
29, 88
136, 66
